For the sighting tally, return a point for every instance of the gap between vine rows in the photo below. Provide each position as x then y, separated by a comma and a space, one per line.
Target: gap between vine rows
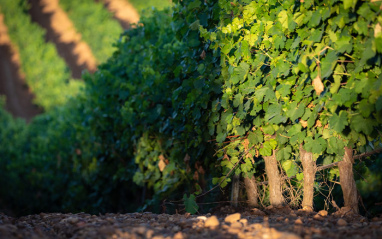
60, 31
12, 83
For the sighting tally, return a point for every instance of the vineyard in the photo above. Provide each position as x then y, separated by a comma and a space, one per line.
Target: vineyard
241, 119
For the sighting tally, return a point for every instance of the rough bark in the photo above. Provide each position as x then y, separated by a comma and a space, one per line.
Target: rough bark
275, 192
309, 169
347, 181
235, 190
252, 192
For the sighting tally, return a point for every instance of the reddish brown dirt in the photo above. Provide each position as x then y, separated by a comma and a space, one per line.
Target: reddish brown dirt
123, 11
281, 223
61, 32
12, 84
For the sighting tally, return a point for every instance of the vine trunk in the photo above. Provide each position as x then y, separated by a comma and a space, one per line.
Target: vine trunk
309, 169
252, 192
347, 181
275, 193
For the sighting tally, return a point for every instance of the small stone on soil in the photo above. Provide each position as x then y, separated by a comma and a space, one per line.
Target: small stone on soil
318, 217
323, 213
178, 235
212, 222
236, 225
341, 222
232, 218
298, 221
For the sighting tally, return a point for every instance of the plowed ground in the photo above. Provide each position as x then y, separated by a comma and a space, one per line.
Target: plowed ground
272, 223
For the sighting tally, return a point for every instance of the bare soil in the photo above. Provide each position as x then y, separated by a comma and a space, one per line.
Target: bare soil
270, 223
61, 32
123, 12
12, 83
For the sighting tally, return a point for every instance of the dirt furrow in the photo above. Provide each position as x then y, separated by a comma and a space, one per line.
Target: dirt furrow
123, 11
61, 32
12, 83
254, 224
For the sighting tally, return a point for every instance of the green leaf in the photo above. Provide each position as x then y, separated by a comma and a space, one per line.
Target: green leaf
284, 153
223, 184
328, 64
139, 178
282, 68
335, 146
300, 176
215, 181
240, 130
195, 25
316, 35
303, 68
221, 137
290, 168
298, 138
247, 166
366, 55
295, 112
315, 146
328, 160
190, 203
268, 129
238, 100
259, 94
344, 44
255, 137
365, 108
338, 122
283, 18
268, 147
349, 3
198, 189
360, 124
240, 72
273, 110
295, 129
194, 4
378, 43
315, 19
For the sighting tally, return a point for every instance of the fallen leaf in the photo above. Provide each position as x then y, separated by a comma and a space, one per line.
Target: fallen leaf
245, 144
201, 170
186, 158
161, 165
377, 30
304, 123
196, 176
203, 55
318, 86
250, 156
318, 124
78, 151
161, 157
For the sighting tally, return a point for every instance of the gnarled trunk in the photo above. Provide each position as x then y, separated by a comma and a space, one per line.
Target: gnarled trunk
235, 190
309, 169
252, 192
275, 192
347, 181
